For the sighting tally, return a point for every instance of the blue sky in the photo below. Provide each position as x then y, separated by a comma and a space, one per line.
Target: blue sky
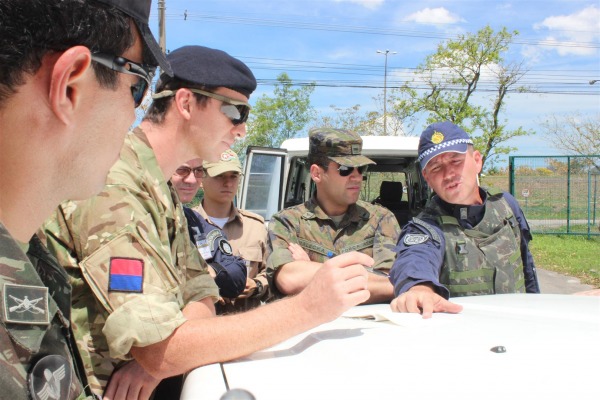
334, 43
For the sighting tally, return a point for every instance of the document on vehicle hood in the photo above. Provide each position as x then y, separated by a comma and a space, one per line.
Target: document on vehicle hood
408, 320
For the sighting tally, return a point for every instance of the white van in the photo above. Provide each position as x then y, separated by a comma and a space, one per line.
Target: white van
279, 178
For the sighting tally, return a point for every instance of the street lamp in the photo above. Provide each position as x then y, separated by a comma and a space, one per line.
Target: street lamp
386, 52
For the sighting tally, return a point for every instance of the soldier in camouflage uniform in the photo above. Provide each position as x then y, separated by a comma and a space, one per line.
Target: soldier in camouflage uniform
66, 65
468, 240
142, 292
333, 221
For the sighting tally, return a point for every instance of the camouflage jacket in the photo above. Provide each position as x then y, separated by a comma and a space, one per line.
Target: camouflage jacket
130, 260
35, 334
367, 228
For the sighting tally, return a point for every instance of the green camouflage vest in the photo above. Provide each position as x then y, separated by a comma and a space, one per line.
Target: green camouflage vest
38, 358
485, 259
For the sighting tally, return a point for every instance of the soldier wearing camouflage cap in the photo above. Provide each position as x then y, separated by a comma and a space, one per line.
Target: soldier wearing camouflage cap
71, 75
468, 241
334, 221
142, 288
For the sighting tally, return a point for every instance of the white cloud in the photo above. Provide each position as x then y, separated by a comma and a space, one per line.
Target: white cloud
372, 4
573, 30
433, 16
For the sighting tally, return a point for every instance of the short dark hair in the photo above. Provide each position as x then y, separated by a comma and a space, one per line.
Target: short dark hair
31, 29
159, 107
319, 159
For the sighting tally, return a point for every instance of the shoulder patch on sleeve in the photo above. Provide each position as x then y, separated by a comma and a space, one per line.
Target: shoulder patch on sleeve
126, 275
211, 238
428, 228
411, 239
225, 247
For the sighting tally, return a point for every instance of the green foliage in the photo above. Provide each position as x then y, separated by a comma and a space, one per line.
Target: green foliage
351, 118
278, 117
571, 255
448, 80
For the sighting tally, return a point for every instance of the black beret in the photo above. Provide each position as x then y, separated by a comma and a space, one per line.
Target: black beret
211, 68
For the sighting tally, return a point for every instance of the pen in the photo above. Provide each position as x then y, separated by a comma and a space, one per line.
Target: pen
376, 271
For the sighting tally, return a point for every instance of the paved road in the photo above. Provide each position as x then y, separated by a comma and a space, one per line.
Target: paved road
555, 283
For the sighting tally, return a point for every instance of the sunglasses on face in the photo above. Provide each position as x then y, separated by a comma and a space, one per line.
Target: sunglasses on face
125, 66
346, 171
236, 110
185, 171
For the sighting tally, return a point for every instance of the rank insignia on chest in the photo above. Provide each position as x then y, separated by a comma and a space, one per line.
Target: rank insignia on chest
24, 304
50, 378
126, 275
412, 239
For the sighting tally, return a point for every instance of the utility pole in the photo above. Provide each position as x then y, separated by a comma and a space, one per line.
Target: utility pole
386, 52
162, 34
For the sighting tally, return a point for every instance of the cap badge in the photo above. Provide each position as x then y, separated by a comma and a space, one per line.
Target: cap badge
437, 137
355, 149
228, 155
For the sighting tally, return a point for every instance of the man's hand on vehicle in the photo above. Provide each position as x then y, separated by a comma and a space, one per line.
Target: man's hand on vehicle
423, 299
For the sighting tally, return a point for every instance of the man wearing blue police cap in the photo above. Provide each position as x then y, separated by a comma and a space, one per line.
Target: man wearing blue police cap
468, 240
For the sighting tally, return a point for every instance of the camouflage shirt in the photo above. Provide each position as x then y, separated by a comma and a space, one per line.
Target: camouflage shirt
131, 263
35, 334
367, 228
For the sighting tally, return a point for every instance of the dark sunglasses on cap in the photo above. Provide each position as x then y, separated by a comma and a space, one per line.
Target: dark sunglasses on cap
236, 110
125, 66
346, 171
185, 171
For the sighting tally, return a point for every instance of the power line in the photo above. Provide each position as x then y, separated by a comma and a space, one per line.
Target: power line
220, 18
541, 81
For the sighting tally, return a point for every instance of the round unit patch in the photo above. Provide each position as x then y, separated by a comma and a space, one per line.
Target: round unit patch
412, 239
225, 247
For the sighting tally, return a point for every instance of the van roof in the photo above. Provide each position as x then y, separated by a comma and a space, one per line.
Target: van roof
401, 146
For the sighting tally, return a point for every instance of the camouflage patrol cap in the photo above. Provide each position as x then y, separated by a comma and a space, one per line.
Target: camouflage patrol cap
229, 162
339, 145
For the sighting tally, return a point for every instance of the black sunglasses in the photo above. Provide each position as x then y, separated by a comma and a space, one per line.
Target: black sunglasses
236, 110
185, 171
346, 171
125, 66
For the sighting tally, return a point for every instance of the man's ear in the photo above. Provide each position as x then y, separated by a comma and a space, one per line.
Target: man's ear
478, 160
183, 99
67, 80
316, 173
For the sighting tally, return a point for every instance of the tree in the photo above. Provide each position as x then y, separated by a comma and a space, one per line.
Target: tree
350, 118
279, 117
364, 123
575, 134
446, 84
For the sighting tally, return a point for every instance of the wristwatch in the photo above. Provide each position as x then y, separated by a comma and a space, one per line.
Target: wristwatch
259, 288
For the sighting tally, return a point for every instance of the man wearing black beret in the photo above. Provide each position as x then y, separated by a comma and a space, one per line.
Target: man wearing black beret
144, 290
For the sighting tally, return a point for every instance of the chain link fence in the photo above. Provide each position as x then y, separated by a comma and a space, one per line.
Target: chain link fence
558, 194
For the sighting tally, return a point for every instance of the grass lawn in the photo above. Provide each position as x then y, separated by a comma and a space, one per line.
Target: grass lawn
575, 256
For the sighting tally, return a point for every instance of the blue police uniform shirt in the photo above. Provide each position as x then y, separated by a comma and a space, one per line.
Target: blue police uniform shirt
421, 263
214, 248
